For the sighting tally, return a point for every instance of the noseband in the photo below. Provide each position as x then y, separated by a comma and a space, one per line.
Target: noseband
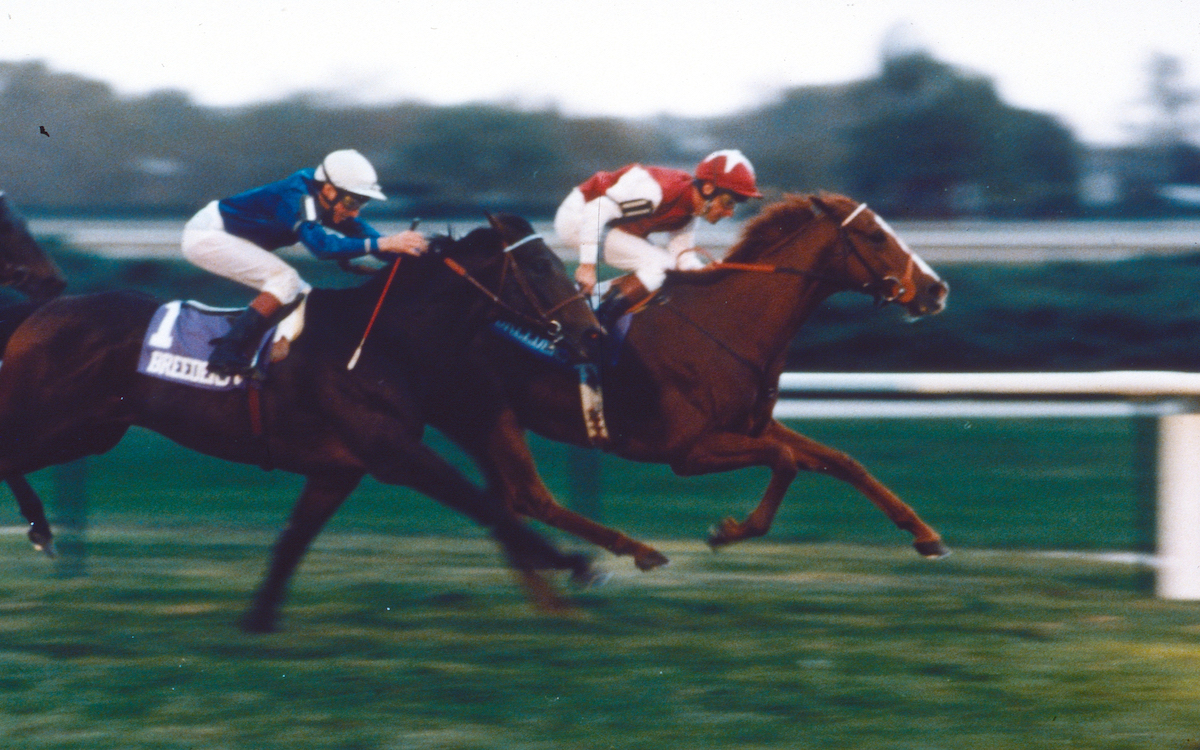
876, 287
544, 319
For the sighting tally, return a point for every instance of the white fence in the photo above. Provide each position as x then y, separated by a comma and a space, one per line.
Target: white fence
1173, 398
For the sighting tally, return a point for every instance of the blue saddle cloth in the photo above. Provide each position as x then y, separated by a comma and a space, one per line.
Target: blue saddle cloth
616, 338
177, 345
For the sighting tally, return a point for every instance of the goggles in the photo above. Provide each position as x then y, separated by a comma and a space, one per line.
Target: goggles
349, 201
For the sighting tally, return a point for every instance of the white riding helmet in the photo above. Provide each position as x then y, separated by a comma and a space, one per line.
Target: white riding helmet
350, 171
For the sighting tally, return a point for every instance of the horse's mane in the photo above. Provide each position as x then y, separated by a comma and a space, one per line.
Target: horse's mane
425, 275
760, 233
774, 223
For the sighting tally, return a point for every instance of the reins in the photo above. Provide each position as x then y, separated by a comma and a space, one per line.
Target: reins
878, 280
544, 320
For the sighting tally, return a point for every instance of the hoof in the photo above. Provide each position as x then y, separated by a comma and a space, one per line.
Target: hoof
42, 542
593, 579
651, 560
585, 575
726, 532
934, 550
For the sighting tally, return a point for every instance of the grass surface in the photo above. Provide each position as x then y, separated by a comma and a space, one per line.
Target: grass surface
1016, 483
405, 631
426, 643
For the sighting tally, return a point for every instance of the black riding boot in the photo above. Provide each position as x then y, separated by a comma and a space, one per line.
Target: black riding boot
625, 292
234, 352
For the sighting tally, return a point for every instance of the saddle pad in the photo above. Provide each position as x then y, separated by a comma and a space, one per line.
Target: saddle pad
177, 348
615, 341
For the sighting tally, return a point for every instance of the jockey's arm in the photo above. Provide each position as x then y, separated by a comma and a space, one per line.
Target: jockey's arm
409, 242
329, 246
681, 244
596, 214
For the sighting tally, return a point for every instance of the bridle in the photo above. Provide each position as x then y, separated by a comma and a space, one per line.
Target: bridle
883, 287
543, 320
846, 246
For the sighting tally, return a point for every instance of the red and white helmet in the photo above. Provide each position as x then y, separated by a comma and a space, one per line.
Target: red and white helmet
729, 169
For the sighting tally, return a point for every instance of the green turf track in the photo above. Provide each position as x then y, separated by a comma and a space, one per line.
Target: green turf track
395, 642
405, 631
1016, 483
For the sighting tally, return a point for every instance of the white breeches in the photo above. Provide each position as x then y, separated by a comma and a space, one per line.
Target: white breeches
207, 245
622, 250
649, 261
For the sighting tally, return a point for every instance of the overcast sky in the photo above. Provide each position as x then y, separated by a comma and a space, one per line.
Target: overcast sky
1084, 61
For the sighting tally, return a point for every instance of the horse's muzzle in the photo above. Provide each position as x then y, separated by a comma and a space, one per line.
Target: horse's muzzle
929, 300
589, 348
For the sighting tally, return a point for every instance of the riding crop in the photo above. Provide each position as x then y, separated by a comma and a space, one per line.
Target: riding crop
375, 313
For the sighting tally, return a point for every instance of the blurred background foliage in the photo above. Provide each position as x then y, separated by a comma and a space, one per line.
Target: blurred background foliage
1002, 317
922, 138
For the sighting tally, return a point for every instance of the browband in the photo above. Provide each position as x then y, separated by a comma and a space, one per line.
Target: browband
861, 207
522, 241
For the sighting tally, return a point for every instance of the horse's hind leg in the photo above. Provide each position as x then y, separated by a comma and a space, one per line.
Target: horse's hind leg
321, 497
38, 451
31, 507
812, 456
728, 451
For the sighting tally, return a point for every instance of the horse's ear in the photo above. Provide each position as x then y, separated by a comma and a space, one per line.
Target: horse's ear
822, 203
493, 221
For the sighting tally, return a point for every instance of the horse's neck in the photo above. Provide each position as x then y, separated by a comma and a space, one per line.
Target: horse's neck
757, 313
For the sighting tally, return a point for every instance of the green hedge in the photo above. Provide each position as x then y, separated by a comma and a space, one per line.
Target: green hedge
1136, 314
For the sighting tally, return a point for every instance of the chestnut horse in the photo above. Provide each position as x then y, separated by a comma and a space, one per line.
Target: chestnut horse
69, 387
697, 376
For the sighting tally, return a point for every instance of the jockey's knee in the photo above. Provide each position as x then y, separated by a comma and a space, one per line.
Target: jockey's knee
651, 277
285, 285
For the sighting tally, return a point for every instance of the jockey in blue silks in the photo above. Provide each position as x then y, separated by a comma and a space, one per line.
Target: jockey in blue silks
235, 238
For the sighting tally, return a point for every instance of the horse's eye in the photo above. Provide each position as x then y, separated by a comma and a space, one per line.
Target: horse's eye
877, 235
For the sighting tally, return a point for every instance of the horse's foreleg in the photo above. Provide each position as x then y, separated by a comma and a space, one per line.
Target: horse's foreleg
322, 496
31, 507
509, 466
813, 456
422, 469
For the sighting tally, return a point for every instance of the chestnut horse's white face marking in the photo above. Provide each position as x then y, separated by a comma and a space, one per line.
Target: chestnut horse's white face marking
921, 264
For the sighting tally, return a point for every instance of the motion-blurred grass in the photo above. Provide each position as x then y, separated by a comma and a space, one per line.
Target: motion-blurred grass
397, 642
404, 630
1015, 483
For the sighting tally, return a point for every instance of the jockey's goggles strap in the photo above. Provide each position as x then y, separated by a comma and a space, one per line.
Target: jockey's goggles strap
531, 238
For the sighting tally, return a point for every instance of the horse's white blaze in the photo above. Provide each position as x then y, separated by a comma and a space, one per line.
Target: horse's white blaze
921, 264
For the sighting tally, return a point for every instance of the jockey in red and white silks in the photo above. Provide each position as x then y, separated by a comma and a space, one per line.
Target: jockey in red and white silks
620, 210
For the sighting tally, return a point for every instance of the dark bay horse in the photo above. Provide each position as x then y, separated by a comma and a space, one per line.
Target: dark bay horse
697, 378
23, 264
69, 388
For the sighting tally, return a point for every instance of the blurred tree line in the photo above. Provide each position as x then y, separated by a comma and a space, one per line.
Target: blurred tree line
921, 139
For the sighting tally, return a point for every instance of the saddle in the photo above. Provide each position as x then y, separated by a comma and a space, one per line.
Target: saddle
178, 344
